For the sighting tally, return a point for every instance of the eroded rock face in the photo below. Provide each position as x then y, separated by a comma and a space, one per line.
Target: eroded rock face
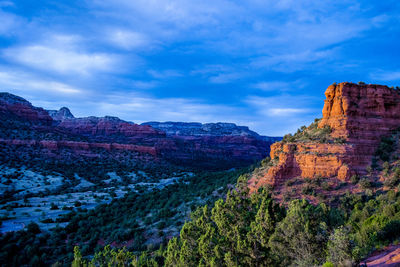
361, 111
360, 115
214, 145
12, 106
110, 128
206, 129
60, 115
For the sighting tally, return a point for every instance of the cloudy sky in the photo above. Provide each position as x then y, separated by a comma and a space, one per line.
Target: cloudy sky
261, 63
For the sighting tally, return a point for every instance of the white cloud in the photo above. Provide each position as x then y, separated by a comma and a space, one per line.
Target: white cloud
165, 74
64, 54
19, 82
60, 60
218, 74
6, 4
385, 75
286, 111
142, 108
8, 23
282, 114
272, 86
127, 39
277, 105
291, 62
144, 84
211, 69
280, 86
224, 78
174, 14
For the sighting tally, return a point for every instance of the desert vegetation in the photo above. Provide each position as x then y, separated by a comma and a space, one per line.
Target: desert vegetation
243, 230
312, 134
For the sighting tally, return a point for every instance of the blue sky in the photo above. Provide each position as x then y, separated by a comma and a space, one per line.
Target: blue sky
264, 64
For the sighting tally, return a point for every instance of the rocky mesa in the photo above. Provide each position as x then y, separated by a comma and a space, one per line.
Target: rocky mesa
58, 134
343, 143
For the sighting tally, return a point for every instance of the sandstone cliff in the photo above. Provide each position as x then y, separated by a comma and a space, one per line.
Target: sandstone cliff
355, 118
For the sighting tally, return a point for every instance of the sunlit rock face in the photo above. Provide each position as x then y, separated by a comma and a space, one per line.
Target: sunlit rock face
359, 115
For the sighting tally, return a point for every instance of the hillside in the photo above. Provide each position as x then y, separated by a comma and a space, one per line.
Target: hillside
327, 196
354, 140
58, 134
58, 171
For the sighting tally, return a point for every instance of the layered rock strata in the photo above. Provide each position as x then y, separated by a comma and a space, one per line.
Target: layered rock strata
216, 146
359, 115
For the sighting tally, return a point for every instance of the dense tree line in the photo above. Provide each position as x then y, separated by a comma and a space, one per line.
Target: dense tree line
253, 230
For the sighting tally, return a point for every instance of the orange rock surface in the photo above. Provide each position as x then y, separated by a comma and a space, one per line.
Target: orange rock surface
359, 114
389, 256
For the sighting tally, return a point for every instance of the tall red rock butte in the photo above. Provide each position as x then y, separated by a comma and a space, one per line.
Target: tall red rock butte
356, 117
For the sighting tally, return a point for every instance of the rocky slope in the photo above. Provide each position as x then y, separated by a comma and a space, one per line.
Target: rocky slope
15, 107
389, 256
207, 129
61, 114
342, 144
54, 133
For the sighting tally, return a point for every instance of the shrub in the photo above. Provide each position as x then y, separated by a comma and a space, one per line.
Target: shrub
392, 181
308, 190
390, 232
265, 161
325, 185
290, 182
339, 140
47, 220
369, 169
386, 147
365, 183
340, 247
354, 179
288, 138
33, 228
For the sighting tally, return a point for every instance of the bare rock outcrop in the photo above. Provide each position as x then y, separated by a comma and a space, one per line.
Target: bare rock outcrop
61, 114
12, 106
59, 133
358, 116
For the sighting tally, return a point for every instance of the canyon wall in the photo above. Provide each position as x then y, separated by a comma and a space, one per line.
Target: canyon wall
358, 116
56, 132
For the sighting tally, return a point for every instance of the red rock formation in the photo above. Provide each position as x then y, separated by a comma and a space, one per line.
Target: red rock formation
388, 256
218, 146
109, 126
361, 111
359, 114
79, 146
11, 105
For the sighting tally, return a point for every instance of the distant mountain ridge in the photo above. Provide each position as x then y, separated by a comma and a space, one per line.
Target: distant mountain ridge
205, 129
61, 114
210, 145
